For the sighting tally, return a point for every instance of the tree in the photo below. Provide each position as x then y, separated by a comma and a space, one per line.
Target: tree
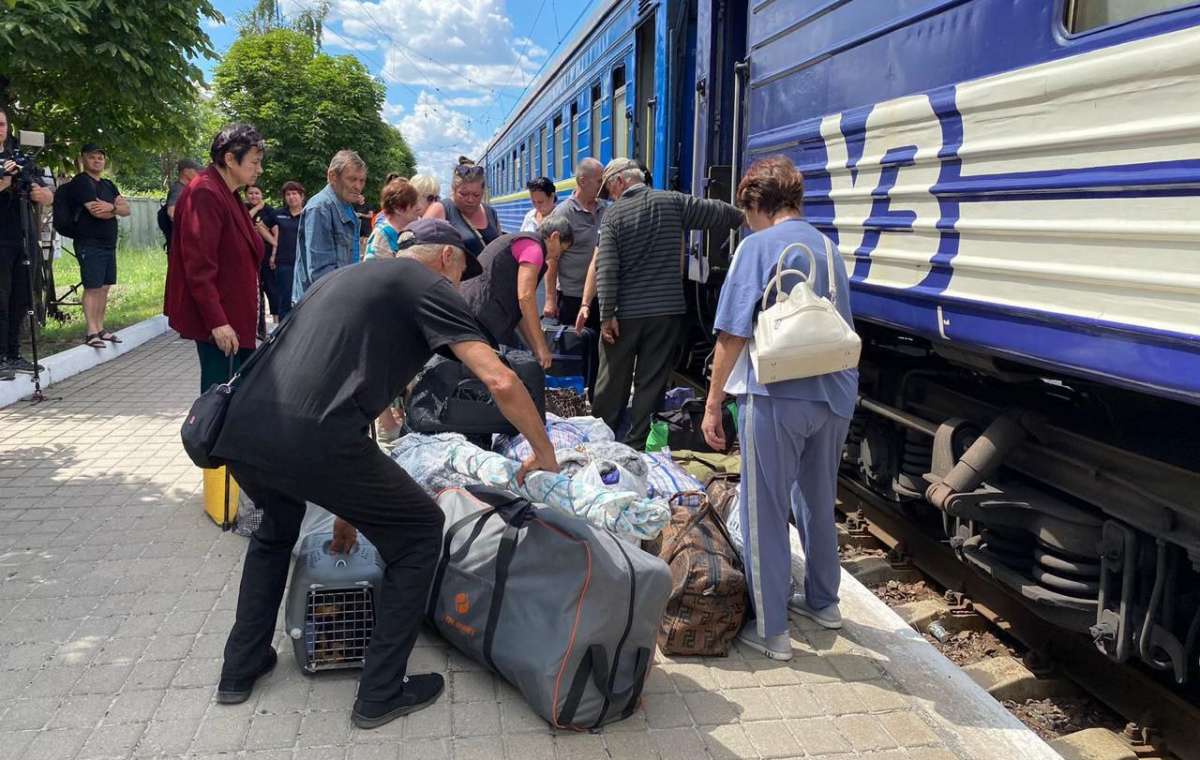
267, 16
308, 105
120, 72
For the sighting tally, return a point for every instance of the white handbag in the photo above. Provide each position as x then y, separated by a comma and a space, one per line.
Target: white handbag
802, 334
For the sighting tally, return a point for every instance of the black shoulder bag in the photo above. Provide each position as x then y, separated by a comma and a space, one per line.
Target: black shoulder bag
204, 420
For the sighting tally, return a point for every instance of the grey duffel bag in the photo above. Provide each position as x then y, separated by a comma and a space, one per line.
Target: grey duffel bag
565, 612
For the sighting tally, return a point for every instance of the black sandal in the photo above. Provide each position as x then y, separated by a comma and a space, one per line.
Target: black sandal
108, 336
94, 340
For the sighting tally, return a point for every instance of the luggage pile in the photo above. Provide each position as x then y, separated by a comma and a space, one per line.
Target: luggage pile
432, 459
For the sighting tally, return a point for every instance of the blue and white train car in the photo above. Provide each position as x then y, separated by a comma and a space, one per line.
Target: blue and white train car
1014, 186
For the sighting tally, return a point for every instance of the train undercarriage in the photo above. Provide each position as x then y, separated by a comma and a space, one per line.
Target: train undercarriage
1081, 499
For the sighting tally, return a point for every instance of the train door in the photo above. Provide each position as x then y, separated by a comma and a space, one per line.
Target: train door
645, 110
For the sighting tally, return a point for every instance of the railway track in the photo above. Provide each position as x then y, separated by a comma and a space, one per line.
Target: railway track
1160, 723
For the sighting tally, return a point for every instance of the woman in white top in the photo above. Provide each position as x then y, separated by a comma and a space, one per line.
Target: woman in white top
544, 197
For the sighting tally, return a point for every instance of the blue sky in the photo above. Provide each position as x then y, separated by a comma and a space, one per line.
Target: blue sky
453, 68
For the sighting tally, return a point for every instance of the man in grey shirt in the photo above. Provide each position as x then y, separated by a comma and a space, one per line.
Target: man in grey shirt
564, 284
639, 281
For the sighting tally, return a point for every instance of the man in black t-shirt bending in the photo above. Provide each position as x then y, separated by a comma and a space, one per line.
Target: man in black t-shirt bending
296, 430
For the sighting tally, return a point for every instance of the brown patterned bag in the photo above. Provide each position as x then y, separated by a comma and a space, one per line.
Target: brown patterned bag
708, 586
722, 490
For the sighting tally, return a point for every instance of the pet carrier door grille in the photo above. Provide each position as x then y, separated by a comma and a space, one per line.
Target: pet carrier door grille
337, 627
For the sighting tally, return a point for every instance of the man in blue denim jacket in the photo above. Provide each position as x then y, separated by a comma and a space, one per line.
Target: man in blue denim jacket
328, 234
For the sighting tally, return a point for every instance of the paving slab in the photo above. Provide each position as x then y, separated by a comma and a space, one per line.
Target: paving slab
116, 591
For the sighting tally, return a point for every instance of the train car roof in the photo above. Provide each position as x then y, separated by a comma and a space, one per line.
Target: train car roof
552, 71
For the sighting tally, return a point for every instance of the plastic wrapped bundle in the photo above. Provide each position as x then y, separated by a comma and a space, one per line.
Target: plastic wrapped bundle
564, 433
605, 464
665, 478
624, 512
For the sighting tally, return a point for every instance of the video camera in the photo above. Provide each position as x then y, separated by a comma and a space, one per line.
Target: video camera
26, 172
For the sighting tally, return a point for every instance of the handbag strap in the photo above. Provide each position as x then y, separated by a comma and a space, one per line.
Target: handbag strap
776, 282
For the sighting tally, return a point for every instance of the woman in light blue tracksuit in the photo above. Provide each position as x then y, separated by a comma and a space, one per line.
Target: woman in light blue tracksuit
791, 431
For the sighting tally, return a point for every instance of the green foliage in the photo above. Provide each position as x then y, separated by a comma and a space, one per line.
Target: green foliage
308, 105
267, 16
117, 71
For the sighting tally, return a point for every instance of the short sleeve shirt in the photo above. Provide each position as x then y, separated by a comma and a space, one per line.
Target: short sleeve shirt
752, 268
269, 217
174, 193
527, 251
351, 345
92, 231
574, 263
384, 240
289, 227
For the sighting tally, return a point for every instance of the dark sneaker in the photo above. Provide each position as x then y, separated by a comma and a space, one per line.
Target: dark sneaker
21, 364
5, 372
419, 692
234, 691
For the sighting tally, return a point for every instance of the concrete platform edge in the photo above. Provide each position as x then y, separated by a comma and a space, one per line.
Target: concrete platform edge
73, 361
967, 717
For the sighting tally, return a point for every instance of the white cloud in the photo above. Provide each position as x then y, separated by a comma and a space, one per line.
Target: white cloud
438, 134
212, 23
463, 45
392, 112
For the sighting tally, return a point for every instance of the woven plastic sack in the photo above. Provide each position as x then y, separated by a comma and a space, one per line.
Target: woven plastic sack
564, 433
249, 517
664, 478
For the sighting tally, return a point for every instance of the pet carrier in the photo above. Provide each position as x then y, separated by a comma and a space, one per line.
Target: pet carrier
331, 603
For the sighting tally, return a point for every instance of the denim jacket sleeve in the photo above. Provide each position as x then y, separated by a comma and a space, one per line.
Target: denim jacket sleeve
320, 242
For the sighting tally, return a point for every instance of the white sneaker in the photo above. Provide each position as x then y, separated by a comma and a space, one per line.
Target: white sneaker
826, 617
777, 647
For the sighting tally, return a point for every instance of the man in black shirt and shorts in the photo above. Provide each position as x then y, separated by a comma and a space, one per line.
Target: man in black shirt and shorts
95, 203
296, 430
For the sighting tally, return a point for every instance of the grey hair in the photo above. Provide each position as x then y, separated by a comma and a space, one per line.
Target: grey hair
633, 175
590, 165
428, 252
344, 159
559, 224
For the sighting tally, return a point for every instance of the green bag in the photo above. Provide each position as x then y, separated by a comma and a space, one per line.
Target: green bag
701, 464
657, 439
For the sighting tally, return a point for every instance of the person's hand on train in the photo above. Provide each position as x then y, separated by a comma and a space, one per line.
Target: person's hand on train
345, 536
712, 428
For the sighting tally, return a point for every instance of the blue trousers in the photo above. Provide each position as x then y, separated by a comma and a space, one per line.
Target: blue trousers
791, 450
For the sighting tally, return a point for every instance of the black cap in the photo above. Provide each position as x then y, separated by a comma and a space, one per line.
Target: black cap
438, 232
92, 148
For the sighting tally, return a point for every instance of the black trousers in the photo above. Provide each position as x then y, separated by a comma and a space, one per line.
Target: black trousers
14, 299
643, 355
360, 484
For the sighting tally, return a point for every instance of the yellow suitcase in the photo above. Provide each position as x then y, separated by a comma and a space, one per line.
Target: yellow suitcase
214, 497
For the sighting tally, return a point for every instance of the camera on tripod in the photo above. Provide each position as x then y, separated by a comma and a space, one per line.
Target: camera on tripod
25, 172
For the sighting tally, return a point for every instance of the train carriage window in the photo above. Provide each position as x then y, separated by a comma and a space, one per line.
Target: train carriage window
547, 153
594, 135
620, 120
557, 147
1086, 15
531, 164
577, 124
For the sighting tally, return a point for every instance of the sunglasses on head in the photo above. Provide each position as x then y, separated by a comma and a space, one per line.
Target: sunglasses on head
467, 170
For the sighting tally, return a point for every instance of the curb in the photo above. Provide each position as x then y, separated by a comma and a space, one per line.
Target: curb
71, 362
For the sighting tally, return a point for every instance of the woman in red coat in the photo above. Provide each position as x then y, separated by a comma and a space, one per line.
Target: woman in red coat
212, 273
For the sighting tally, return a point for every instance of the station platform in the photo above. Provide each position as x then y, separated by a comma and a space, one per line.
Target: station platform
117, 592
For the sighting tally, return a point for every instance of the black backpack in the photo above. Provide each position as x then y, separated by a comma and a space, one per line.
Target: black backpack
164, 224
447, 398
66, 218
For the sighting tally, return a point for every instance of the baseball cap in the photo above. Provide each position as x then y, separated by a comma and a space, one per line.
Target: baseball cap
92, 148
615, 167
438, 232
